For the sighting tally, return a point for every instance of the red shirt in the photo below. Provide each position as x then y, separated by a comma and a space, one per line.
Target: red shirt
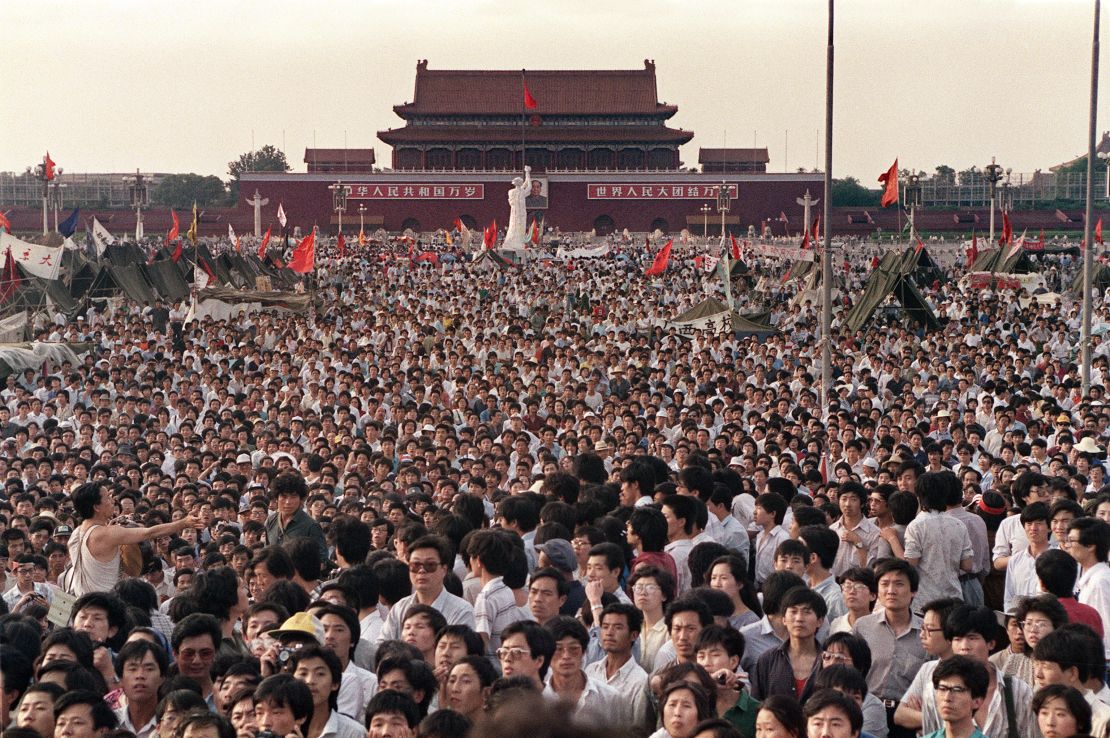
1080, 613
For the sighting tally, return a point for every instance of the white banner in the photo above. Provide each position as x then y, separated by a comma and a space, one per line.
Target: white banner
42, 261
583, 252
101, 237
719, 323
782, 252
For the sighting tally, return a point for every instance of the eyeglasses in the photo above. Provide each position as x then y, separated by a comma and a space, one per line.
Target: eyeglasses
426, 566
645, 588
853, 586
929, 631
1035, 625
950, 689
829, 657
512, 654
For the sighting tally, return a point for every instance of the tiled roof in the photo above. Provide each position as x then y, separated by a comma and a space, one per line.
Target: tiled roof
338, 156
534, 136
569, 92
732, 156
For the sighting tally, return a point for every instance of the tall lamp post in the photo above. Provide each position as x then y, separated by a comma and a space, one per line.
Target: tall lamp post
56, 195
724, 201
40, 172
361, 213
140, 197
994, 174
339, 192
912, 200
1106, 160
705, 211
826, 257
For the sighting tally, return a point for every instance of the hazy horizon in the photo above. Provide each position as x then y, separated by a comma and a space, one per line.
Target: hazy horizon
126, 84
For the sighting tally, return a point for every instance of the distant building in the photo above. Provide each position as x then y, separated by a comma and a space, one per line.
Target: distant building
733, 161
583, 120
339, 161
1103, 147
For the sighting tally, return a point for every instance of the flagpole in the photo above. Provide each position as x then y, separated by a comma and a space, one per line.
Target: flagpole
1088, 253
826, 257
523, 115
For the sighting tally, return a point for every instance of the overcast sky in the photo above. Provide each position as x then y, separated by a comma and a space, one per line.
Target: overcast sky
111, 85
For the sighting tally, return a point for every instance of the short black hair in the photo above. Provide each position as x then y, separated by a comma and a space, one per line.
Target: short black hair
285, 691
823, 698
565, 626
1057, 572
102, 715
774, 504
726, 637
633, 617
540, 641
974, 674
804, 597
966, 619
688, 603
823, 541
899, 566
392, 701
196, 624
137, 650
1077, 704
842, 678
1067, 649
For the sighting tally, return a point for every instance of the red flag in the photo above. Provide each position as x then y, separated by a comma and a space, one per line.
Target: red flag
1007, 230
48, 167
816, 229
5, 223
176, 256
535, 233
207, 270
175, 230
489, 236
529, 101
304, 256
890, 179
973, 252
1098, 230
661, 260
265, 242
9, 278
735, 247
429, 256
920, 245
805, 240
1040, 241
458, 225
341, 245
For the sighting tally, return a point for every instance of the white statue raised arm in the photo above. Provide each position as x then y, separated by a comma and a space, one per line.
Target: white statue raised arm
516, 231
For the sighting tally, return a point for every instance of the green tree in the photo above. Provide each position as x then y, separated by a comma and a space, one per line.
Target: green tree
945, 174
848, 192
182, 190
269, 158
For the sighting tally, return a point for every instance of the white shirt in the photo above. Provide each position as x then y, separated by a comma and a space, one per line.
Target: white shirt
1094, 590
13, 595
680, 552
341, 726
357, 687
598, 704
140, 732
456, 610
631, 683
1021, 579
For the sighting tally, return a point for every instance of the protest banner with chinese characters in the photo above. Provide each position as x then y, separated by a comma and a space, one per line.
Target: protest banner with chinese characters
41, 261
782, 252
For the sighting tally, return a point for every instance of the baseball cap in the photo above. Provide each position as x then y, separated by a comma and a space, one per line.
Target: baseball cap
560, 553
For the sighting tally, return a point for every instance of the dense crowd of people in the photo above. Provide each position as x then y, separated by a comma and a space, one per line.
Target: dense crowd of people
517, 502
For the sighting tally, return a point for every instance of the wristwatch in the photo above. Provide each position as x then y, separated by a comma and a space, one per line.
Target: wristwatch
858, 544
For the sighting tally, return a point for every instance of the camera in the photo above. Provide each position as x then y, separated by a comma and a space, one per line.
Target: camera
284, 654
722, 678
267, 734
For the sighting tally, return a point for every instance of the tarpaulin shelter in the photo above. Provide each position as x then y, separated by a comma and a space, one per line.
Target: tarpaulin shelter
167, 280
891, 279
1100, 279
1007, 261
489, 260
133, 282
224, 302
714, 316
17, 357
